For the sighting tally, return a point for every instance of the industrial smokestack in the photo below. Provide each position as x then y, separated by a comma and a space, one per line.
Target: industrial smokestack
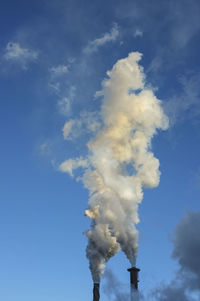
96, 295
134, 278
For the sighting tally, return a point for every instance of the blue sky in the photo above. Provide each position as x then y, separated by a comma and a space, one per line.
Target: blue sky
54, 56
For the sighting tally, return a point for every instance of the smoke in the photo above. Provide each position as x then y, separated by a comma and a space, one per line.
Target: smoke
186, 284
120, 162
114, 289
168, 293
187, 248
117, 291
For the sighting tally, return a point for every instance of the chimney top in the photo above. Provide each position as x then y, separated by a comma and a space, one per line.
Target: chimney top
133, 269
134, 277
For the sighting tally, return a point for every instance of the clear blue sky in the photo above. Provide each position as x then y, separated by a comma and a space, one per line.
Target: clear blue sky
53, 58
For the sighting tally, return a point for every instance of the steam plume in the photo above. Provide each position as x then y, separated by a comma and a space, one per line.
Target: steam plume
120, 163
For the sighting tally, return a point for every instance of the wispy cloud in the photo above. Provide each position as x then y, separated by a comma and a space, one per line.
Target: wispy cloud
138, 33
106, 38
15, 53
71, 129
88, 122
57, 83
70, 165
156, 64
58, 70
44, 148
57, 77
54, 87
64, 103
185, 104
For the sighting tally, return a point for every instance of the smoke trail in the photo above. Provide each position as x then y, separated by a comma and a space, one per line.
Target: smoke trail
115, 290
120, 163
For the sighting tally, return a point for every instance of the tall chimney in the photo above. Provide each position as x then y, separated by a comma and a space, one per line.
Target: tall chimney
134, 277
96, 295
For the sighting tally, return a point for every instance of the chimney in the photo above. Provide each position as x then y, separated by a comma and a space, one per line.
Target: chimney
134, 277
96, 295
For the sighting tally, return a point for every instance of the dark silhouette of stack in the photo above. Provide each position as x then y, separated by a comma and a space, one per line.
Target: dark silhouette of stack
96, 295
133, 282
134, 277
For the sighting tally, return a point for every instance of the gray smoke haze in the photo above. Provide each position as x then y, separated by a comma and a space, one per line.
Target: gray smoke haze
119, 162
187, 248
116, 291
185, 285
168, 293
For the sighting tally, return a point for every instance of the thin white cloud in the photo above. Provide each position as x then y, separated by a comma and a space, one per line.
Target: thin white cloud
185, 105
70, 165
17, 54
64, 105
88, 122
138, 33
45, 148
156, 64
106, 38
57, 84
68, 132
59, 70
55, 87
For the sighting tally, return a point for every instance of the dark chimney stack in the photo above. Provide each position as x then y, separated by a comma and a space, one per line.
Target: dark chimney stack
134, 277
96, 295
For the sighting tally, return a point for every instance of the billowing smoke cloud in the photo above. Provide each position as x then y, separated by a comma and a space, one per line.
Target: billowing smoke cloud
186, 285
120, 162
187, 248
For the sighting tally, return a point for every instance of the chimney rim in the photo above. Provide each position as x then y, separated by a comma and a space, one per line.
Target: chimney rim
133, 269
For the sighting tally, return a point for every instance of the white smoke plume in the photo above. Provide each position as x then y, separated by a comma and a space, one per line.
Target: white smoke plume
120, 162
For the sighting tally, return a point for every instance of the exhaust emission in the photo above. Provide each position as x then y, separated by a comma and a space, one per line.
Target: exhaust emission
119, 164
